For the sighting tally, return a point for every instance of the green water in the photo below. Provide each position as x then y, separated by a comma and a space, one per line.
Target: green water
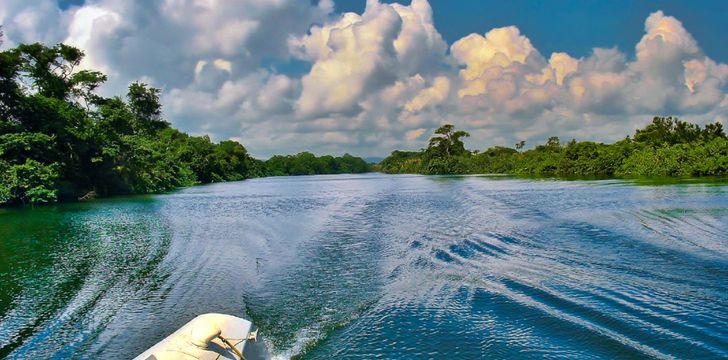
378, 266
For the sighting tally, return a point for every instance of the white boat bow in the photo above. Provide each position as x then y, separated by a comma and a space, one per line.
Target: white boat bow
211, 336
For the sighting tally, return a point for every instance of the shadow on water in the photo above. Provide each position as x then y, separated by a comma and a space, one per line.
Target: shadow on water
638, 181
708, 181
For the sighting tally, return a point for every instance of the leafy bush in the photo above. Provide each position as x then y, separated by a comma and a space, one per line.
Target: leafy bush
28, 183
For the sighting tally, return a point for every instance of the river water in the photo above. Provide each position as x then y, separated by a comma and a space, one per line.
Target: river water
365, 266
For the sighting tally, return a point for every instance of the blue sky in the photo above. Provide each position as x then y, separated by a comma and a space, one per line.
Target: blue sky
572, 26
295, 75
576, 26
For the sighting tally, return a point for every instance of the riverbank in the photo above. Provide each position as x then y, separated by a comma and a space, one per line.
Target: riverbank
667, 147
61, 141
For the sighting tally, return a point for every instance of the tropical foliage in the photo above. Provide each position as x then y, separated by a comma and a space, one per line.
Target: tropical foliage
306, 163
666, 147
59, 140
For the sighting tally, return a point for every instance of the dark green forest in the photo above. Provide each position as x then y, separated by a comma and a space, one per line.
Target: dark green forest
666, 147
61, 141
306, 163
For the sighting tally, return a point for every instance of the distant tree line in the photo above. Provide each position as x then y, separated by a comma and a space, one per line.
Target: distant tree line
59, 140
306, 163
666, 147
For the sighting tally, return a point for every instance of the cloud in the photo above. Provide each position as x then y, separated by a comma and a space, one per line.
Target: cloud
560, 65
433, 95
495, 56
415, 134
166, 40
25, 21
508, 89
357, 55
373, 82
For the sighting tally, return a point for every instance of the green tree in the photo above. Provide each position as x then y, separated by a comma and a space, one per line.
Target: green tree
668, 131
666, 147
447, 142
28, 183
713, 131
146, 107
553, 143
306, 163
60, 140
52, 70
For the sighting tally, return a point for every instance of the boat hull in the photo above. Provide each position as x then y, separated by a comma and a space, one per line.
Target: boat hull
211, 336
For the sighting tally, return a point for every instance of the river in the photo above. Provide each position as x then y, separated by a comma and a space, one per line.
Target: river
389, 266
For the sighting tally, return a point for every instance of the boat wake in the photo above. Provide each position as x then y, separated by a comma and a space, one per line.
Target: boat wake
381, 266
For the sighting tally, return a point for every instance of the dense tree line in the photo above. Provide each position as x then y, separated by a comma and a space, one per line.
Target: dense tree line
306, 163
666, 147
59, 140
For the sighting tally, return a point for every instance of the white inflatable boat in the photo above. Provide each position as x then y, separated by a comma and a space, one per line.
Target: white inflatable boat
211, 336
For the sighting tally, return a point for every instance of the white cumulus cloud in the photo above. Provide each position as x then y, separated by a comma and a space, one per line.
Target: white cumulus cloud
373, 82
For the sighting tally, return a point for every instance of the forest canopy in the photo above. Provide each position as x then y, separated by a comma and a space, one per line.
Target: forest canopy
666, 147
60, 140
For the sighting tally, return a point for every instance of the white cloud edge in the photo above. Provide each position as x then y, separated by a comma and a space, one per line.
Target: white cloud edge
380, 80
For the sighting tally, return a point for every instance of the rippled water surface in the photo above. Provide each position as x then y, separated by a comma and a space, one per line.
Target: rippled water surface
397, 267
